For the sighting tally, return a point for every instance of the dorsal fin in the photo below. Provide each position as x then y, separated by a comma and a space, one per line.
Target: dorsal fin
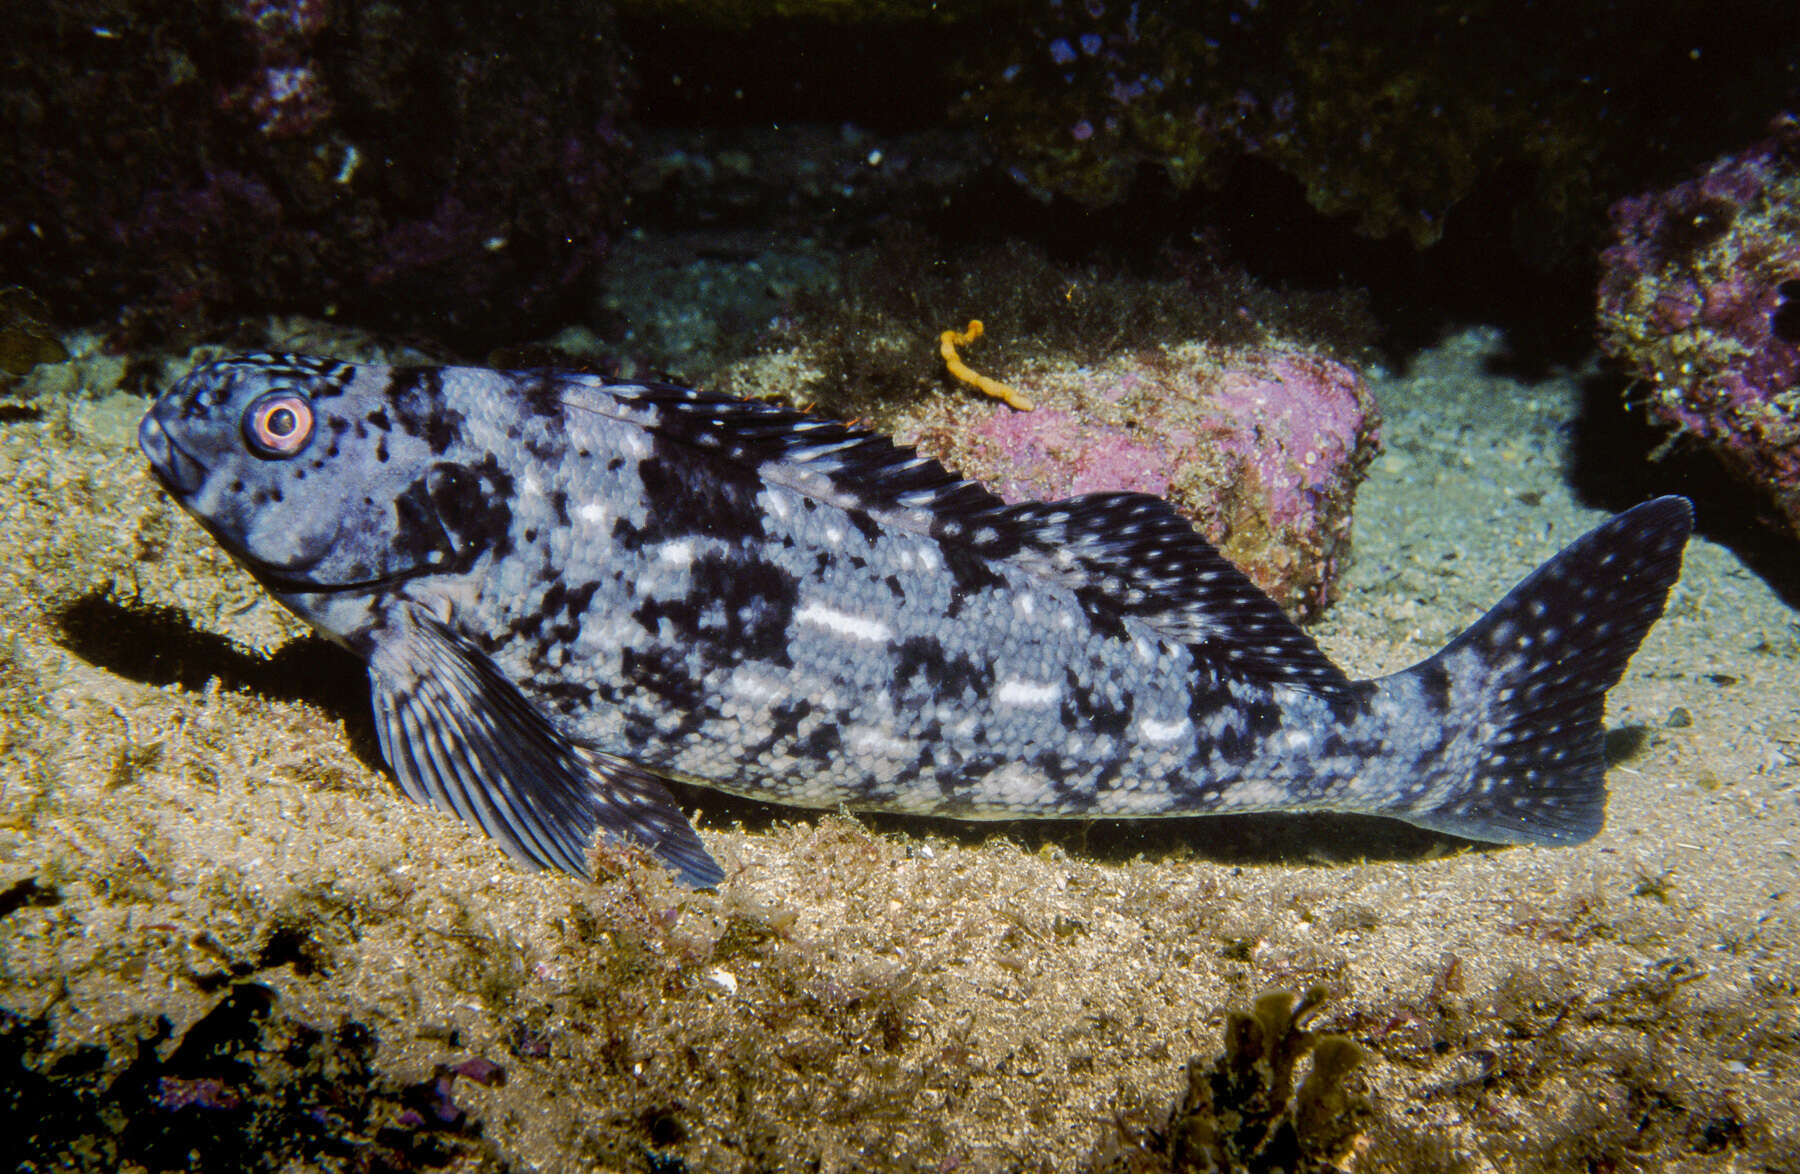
849, 467
1125, 554
1150, 564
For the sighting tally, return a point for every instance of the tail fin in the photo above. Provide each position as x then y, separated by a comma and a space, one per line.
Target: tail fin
1535, 671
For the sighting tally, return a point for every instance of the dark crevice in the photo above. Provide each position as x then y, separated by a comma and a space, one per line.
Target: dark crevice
1620, 458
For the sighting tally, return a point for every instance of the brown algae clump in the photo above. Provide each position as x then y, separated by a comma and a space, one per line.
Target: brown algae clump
1242, 1110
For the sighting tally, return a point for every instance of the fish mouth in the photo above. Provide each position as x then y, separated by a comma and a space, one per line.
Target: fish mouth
180, 473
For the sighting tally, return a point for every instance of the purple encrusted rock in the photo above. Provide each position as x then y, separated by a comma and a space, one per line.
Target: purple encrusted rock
1262, 449
1700, 296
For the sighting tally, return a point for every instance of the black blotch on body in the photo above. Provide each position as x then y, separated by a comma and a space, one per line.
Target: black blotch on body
922, 659
417, 397
686, 492
473, 504
569, 698
1433, 679
822, 745
1244, 738
1084, 708
970, 574
784, 726
1054, 767
558, 620
662, 672
924, 764
735, 609
541, 429
955, 785
1079, 790
544, 446
869, 527
418, 532
542, 392
785, 719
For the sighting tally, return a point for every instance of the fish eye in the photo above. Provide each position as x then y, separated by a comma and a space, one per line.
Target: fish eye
278, 424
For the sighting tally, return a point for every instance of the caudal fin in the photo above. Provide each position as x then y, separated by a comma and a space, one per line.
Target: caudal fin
1530, 680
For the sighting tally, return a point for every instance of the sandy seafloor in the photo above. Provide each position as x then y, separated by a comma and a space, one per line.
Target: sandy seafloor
887, 994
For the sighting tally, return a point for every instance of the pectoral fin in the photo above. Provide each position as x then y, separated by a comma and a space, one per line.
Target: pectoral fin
461, 737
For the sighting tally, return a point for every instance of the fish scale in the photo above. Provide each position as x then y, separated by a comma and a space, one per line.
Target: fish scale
568, 591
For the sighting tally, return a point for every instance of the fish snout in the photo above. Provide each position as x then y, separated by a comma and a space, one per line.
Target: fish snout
182, 474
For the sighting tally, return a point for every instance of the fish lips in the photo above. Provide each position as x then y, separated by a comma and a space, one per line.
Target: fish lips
179, 472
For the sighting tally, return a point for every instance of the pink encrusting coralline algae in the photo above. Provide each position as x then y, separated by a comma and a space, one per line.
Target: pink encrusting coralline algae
1261, 448
1700, 296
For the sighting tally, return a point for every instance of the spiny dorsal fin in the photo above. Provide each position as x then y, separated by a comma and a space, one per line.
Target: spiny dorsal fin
1126, 554
849, 467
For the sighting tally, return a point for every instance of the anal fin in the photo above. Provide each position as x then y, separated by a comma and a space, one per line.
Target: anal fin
462, 738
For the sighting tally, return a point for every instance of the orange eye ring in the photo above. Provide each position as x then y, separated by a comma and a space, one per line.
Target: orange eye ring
278, 424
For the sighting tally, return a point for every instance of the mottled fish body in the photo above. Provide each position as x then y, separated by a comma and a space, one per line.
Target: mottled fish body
568, 590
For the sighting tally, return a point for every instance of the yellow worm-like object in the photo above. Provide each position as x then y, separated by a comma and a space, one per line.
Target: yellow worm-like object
947, 344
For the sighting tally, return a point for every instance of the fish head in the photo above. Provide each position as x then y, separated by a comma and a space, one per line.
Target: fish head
291, 463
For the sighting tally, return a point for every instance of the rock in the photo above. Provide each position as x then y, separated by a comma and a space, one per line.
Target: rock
1700, 297
1262, 448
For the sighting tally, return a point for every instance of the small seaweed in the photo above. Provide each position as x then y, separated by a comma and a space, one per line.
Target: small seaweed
1655, 885
489, 962
1246, 1110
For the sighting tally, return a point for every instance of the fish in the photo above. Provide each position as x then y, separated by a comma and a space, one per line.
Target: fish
570, 591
